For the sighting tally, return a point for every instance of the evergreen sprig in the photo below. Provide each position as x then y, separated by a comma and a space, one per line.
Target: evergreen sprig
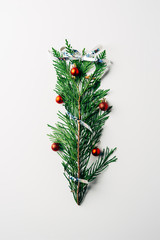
69, 48
81, 96
102, 162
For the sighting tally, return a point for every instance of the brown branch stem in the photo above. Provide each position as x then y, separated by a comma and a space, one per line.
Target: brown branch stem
79, 111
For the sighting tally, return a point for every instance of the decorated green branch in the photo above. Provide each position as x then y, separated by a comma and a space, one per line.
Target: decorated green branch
76, 136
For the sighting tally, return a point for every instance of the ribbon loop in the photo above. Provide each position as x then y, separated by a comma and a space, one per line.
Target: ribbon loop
76, 55
81, 122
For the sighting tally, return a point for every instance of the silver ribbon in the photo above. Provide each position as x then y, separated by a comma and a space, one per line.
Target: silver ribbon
75, 179
76, 55
81, 122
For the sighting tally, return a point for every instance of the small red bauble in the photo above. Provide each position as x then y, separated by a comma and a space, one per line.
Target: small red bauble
74, 71
103, 106
55, 146
59, 99
96, 151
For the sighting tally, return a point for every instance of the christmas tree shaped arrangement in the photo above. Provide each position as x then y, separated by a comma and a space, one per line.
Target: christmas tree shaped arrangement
76, 136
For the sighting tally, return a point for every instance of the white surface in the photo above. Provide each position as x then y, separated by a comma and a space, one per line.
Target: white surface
35, 201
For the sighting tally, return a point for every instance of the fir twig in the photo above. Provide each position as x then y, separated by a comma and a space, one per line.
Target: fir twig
81, 96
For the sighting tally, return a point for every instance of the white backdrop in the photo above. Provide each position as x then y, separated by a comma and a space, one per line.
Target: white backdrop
35, 201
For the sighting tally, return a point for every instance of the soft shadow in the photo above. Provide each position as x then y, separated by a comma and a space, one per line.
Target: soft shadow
105, 74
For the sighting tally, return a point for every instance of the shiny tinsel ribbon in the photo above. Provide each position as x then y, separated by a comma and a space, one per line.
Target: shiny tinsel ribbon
81, 122
75, 179
76, 55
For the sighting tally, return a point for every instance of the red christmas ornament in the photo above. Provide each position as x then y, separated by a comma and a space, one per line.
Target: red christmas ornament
74, 71
59, 99
96, 151
103, 106
55, 146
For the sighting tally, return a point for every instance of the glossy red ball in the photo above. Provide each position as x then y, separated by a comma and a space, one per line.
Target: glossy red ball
96, 151
59, 99
103, 106
55, 146
75, 71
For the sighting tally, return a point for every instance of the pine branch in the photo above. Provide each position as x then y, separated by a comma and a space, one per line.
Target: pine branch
69, 48
83, 52
103, 161
56, 53
102, 55
81, 96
